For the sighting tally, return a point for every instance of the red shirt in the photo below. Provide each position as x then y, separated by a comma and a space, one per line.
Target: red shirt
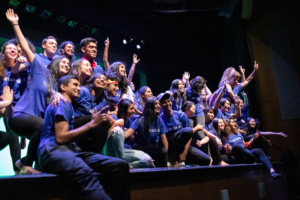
93, 64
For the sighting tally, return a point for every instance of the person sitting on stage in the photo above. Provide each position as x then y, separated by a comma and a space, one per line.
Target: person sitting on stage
210, 143
58, 154
178, 94
67, 48
179, 135
222, 106
233, 88
114, 145
150, 128
141, 97
82, 70
232, 138
89, 49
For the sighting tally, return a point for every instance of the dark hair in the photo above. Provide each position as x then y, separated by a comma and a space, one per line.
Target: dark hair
123, 83
149, 114
16, 42
47, 38
62, 46
65, 81
123, 107
84, 42
215, 124
112, 76
76, 70
54, 75
2, 60
176, 93
207, 109
223, 101
256, 125
197, 82
91, 85
187, 105
140, 105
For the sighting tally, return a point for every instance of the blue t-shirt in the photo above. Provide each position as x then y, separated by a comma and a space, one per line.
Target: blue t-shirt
196, 99
98, 69
176, 122
16, 82
86, 102
236, 90
235, 140
48, 131
34, 99
219, 114
244, 116
176, 106
208, 127
156, 129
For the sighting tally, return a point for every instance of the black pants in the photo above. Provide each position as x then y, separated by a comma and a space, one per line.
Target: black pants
243, 155
83, 167
157, 153
29, 126
7, 138
95, 139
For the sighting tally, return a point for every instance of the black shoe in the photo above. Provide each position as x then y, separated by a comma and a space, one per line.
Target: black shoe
275, 176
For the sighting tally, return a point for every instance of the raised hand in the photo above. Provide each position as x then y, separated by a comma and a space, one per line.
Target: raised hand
282, 134
135, 60
8, 94
255, 66
242, 69
22, 59
225, 83
186, 75
12, 17
244, 94
106, 42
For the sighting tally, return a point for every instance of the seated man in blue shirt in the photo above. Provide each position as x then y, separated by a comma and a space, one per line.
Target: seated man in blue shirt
179, 135
59, 154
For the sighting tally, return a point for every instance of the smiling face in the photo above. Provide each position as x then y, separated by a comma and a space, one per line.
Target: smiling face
166, 105
252, 123
226, 106
112, 88
234, 81
11, 52
157, 107
209, 115
68, 50
85, 68
130, 111
203, 93
73, 89
190, 112
64, 66
100, 82
148, 94
20, 51
90, 51
50, 46
122, 70
180, 86
221, 125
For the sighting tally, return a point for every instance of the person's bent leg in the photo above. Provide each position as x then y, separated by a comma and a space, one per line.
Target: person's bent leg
262, 157
138, 159
196, 156
242, 155
157, 153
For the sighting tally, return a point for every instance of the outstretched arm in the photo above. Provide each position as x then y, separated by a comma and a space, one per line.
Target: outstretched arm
238, 109
217, 104
250, 77
132, 69
105, 54
242, 73
14, 20
272, 133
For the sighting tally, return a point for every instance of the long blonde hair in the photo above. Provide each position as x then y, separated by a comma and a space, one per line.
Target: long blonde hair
225, 76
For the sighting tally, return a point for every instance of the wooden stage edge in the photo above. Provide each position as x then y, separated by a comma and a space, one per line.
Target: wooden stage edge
243, 181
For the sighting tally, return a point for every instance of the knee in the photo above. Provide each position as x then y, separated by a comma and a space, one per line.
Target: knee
121, 164
188, 131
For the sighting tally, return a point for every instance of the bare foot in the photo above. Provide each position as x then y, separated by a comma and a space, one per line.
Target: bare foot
29, 170
177, 164
222, 163
211, 161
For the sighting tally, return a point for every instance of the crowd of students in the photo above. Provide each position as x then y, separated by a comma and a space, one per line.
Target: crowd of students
81, 120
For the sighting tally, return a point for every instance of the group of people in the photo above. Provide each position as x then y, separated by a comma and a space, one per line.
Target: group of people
82, 120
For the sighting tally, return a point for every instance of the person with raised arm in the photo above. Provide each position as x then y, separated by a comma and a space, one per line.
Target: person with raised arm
58, 153
233, 88
89, 50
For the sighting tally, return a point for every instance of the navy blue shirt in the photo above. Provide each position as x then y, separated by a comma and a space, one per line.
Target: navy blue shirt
34, 99
196, 99
176, 122
16, 82
86, 102
48, 131
156, 129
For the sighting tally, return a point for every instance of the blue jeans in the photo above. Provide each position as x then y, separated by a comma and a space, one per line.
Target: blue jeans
114, 147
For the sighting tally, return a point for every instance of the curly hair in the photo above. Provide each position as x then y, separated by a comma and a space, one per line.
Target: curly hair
225, 75
3, 59
16, 42
62, 46
123, 83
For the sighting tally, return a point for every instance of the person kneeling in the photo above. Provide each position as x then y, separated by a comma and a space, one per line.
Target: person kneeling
59, 154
